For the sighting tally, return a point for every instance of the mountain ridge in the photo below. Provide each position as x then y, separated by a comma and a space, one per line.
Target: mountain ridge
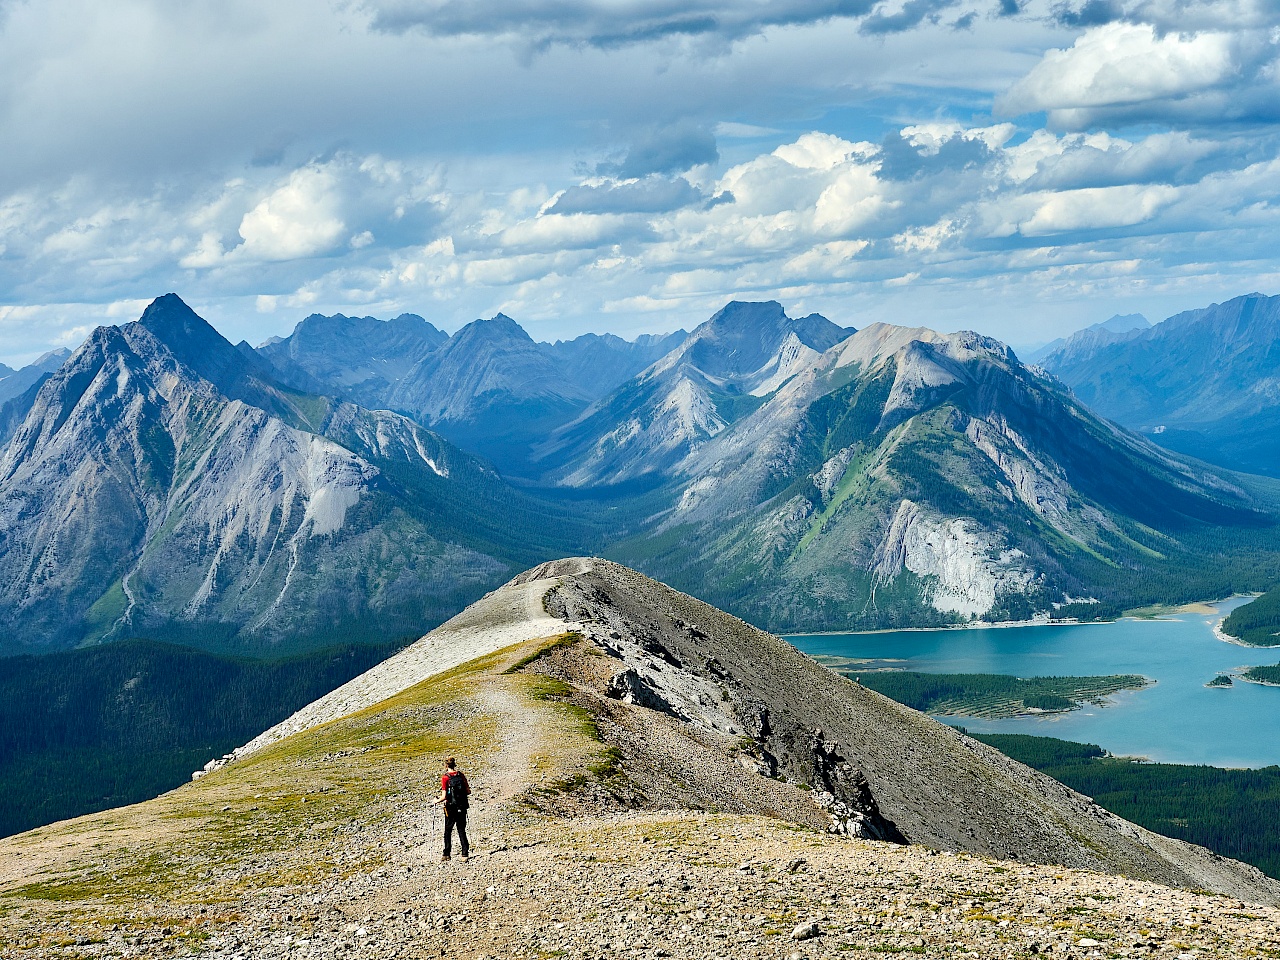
1201, 382
602, 810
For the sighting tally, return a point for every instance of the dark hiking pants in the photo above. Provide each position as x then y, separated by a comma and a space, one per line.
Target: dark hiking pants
455, 818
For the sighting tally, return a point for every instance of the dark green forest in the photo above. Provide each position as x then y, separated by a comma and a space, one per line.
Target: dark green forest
1232, 812
1256, 623
1263, 674
100, 727
992, 695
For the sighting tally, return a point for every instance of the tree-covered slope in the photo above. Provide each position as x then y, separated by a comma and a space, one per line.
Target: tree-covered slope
1258, 622
91, 729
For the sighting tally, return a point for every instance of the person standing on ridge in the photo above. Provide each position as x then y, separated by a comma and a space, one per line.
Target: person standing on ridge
454, 791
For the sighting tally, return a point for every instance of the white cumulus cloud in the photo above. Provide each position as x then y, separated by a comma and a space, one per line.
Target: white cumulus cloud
1121, 63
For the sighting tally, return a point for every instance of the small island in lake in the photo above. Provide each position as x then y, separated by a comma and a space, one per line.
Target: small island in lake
994, 696
1221, 680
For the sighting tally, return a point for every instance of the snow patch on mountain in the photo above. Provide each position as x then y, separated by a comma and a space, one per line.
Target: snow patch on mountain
966, 567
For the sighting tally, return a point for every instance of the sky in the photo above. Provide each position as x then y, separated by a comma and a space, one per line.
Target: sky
1018, 167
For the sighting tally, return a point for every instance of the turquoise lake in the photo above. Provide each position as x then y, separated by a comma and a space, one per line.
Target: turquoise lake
1178, 720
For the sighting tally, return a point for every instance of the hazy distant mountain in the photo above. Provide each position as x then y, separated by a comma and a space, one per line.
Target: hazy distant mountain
489, 387
14, 383
164, 484
1113, 330
722, 371
359, 358
903, 475
599, 362
1205, 382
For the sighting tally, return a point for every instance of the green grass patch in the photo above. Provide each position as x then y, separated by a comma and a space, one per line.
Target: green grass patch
563, 640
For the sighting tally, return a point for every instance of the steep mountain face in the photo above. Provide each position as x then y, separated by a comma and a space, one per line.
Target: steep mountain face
360, 358
1203, 382
906, 476
722, 371
162, 483
491, 389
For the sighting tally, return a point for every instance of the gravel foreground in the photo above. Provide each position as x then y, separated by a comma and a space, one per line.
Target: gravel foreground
681, 886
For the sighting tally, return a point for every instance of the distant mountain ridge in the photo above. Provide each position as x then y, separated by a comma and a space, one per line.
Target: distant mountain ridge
723, 369
798, 473
490, 386
1205, 382
1111, 330
14, 383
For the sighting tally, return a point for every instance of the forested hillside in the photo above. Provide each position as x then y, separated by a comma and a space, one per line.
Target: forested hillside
91, 729
1232, 812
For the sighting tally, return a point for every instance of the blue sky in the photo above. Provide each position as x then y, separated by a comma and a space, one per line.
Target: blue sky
1019, 167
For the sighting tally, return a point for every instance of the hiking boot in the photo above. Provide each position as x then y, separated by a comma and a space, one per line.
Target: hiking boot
445, 858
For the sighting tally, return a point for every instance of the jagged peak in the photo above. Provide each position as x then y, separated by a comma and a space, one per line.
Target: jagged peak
173, 322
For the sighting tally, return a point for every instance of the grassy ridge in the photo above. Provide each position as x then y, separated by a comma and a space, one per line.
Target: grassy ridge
992, 696
1232, 812
1256, 623
92, 729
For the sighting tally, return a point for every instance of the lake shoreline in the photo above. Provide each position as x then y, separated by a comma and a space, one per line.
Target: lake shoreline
1195, 607
1176, 720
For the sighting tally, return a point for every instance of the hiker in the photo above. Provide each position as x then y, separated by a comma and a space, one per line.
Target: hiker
454, 791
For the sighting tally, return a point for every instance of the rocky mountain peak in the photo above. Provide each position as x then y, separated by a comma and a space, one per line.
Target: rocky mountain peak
498, 329
194, 342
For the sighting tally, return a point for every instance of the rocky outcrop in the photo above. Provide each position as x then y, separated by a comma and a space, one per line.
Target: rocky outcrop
965, 567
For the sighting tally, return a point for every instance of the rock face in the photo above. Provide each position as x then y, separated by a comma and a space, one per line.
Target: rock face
879, 769
163, 483
1203, 382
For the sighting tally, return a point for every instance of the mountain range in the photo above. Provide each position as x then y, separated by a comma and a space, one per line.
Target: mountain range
489, 387
163, 483
363, 475
1205, 382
